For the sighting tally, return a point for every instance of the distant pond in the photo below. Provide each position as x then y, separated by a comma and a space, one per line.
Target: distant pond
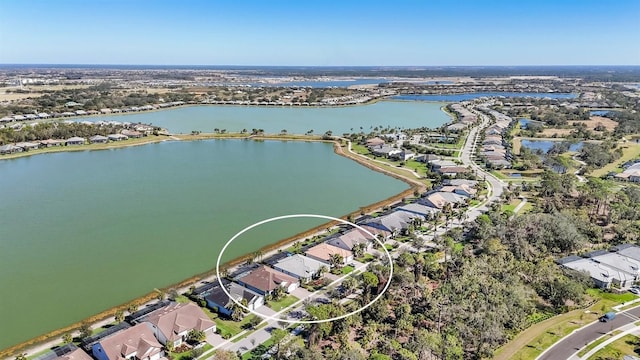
546, 145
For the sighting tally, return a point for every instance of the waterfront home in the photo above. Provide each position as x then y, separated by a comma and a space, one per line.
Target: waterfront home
7, 119
299, 266
428, 158
98, 139
351, 238
65, 352
19, 117
376, 141
395, 222
173, 322
419, 209
106, 111
26, 146
81, 112
325, 252
9, 149
131, 133
116, 137
403, 155
51, 142
76, 140
219, 301
137, 342
264, 280
69, 352
385, 150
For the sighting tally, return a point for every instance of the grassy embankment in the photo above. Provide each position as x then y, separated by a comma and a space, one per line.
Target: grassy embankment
626, 345
532, 341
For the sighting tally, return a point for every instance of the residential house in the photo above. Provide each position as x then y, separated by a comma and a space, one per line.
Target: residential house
9, 149
428, 158
98, 139
404, 155
376, 141
173, 322
51, 142
26, 146
70, 352
464, 190
135, 343
385, 150
458, 182
131, 133
602, 275
419, 209
219, 301
76, 140
395, 222
351, 238
117, 137
629, 250
324, 252
452, 170
299, 266
264, 280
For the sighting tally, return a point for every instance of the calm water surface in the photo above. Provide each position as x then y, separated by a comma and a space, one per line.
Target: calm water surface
296, 120
84, 231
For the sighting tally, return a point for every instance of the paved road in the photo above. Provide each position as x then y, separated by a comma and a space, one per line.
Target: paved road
564, 348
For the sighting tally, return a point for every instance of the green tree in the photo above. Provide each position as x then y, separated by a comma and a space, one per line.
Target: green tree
196, 336
85, 330
67, 338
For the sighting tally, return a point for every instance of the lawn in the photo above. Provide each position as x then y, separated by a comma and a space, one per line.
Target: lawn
283, 303
187, 354
626, 345
232, 327
629, 151
366, 258
347, 269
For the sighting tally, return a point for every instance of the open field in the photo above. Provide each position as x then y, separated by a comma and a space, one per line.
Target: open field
550, 132
629, 151
594, 121
34, 91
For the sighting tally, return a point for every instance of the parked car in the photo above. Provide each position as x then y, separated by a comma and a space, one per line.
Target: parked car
635, 290
608, 316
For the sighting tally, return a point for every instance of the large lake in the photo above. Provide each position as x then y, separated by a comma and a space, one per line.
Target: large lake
84, 231
296, 120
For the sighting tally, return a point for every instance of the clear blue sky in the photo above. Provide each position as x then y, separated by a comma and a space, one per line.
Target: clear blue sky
321, 32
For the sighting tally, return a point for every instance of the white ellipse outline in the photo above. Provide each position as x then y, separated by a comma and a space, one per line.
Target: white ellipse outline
269, 317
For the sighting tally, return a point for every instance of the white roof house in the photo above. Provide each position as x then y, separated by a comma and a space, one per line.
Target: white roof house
299, 266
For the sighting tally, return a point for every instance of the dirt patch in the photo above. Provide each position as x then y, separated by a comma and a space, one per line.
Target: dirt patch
598, 120
556, 132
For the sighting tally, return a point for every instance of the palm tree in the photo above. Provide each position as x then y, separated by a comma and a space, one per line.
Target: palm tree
358, 250
323, 269
336, 260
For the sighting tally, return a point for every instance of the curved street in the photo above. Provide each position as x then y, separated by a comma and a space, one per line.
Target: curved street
569, 345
